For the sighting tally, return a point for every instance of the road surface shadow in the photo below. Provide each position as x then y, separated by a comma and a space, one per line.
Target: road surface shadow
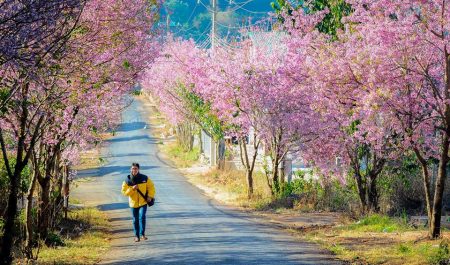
113, 206
131, 139
233, 257
126, 155
106, 170
131, 126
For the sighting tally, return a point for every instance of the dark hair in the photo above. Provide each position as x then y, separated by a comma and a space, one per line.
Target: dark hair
135, 165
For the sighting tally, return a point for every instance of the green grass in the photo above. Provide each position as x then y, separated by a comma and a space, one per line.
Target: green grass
404, 248
84, 248
441, 254
90, 216
378, 239
83, 180
74, 201
180, 157
232, 185
378, 223
337, 249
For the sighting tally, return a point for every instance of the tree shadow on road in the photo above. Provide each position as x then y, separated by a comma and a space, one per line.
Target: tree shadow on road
150, 140
105, 170
235, 257
113, 206
131, 126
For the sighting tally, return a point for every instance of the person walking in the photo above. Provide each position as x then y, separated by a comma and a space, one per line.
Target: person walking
140, 191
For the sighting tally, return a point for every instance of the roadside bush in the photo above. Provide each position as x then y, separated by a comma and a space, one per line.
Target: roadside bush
379, 223
442, 255
180, 156
319, 194
136, 92
401, 188
54, 240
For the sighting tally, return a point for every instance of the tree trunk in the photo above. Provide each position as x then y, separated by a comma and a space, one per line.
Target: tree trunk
29, 218
249, 177
9, 229
277, 156
372, 194
66, 189
22, 157
436, 214
276, 182
435, 223
200, 141
57, 174
282, 172
256, 144
185, 136
248, 164
361, 192
269, 182
44, 207
220, 153
426, 182
57, 189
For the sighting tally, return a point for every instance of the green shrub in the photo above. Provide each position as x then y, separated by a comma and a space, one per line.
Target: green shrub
442, 255
337, 249
299, 186
400, 187
320, 194
402, 248
181, 157
54, 240
136, 93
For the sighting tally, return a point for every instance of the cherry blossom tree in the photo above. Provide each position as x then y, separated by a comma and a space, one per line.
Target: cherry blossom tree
99, 62
352, 138
32, 32
245, 91
410, 45
178, 91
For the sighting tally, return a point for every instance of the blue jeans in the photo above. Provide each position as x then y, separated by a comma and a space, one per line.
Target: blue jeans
139, 220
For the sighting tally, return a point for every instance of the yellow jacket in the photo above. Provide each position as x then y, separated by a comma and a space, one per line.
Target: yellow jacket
145, 185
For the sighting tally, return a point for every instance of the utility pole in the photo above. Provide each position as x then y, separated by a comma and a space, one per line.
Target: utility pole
213, 24
167, 20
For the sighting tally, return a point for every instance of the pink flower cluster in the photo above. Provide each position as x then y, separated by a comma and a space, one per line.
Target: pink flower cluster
383, 84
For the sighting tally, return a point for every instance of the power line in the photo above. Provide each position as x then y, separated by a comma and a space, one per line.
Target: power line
237, 7
187, 22
227, 45
230, 27
204, 32
207, 7
213, 26
245, 26
243, 8
214, 23
205, 44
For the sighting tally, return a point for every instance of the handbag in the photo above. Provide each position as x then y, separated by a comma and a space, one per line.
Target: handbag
149, 203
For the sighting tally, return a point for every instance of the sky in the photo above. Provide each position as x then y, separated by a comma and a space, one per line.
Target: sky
192, 18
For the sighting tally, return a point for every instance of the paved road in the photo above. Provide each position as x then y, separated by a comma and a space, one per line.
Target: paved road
184, 226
